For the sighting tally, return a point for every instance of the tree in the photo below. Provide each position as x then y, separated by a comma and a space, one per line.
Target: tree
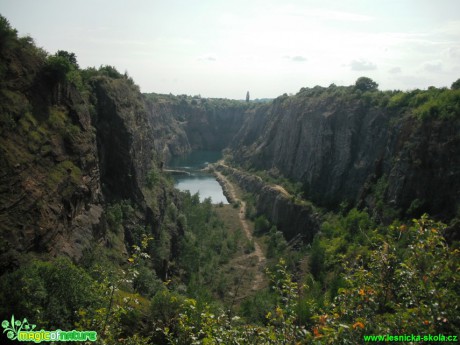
456, 85
71, 57
366, 84
110, 71
247, 96
57, 67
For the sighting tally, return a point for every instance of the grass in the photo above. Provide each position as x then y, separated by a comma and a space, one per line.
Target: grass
61, 171
229, 216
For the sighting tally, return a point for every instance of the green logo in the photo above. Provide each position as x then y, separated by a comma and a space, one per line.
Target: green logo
24, 331
15, 327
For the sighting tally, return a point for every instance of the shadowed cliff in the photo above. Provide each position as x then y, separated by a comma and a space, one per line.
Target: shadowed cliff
367, 148
75, 145
184, 123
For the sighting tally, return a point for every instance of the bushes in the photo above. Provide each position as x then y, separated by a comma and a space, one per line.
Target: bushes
408, 285
261, 225
407, 282
51, 293
432, 103
205, 245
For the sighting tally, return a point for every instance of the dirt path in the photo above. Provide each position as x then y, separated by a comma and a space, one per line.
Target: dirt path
259, 277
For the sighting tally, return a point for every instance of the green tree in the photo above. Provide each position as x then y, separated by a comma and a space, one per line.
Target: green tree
247, 96
57, 67
456, 85
366, 84
110, 71
71, 57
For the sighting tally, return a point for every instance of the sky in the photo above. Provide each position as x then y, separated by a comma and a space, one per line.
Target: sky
224, 48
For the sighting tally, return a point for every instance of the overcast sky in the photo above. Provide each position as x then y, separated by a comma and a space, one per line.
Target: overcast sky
222, 48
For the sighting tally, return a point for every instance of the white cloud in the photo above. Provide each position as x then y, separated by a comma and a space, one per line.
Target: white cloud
362, 65
395, 70
297, 58
324, 14
210, 58
433, 67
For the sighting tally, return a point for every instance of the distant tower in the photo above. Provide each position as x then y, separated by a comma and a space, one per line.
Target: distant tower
247, 96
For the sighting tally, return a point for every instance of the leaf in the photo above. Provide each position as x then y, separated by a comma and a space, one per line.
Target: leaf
5, 324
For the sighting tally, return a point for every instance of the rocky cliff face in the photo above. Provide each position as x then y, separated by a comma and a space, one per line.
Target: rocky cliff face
125, 142
68, 150
368, 149
182, 123
340, 144
331, 146
292, 217
50, 182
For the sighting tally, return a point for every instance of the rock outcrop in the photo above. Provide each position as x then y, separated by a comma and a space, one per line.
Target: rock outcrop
182, 124
51, 199
69, 149
339, 144
292, 217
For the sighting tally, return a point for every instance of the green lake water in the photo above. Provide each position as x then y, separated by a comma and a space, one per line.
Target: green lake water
200, 182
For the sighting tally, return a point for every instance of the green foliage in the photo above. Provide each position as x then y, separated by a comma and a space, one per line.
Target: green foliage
357, 224
274, 177
65, 176
71, 57
152, 178
317, 259
20, 59
59, 120
205, 246
6, 30
156, 179
456, 85
383, 211
187, 103
123, 311
261, 224
366, 84
255, 308
58, 67
440, 103
407, 286
114, 217
165, 309
65, 170
251, 211
429, 104
146, 282
197, 324
50, 293
276, 243
63, 67
110, 71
